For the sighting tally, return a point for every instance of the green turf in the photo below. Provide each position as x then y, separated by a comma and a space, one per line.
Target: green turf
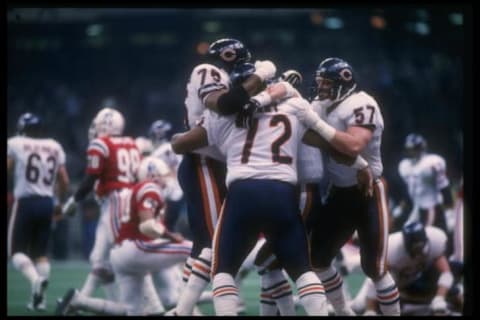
65, 275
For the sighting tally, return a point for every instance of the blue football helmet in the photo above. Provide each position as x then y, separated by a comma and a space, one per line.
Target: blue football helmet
415, 145
415, 238
334, 79
229, 53
28, 124
159, 131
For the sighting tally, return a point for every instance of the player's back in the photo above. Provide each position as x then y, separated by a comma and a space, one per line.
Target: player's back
267, 150
115, 160
142, 195
36, 165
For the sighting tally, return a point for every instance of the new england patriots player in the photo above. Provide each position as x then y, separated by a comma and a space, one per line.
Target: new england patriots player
418, 262
38, 164
143, 246
112, 164
202, 174
428, 186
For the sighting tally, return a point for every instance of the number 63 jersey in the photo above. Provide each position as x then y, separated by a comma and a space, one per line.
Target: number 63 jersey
359, 109
36, 165
115, 160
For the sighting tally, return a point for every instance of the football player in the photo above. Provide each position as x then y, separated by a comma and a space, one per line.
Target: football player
143, 246
428, 186
38, 165
259, 172
112, 164
201, 175
352, 123
416, 258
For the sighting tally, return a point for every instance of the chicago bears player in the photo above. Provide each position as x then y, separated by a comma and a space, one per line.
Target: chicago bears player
143, 246
428, 185
38, 164
416, 258
259, 172
352, 123
112, 163
201, 175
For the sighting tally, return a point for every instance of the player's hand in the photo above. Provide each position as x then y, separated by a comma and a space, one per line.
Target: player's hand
69, 207
241, 72
245, 117
438, 306
265, 69
57, 213
293, 77
365, 181
307, 115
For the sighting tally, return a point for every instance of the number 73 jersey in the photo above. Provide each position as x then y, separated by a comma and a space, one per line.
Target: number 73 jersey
115, 160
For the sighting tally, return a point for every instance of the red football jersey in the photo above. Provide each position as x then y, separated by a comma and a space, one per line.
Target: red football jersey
115, 160
145, 195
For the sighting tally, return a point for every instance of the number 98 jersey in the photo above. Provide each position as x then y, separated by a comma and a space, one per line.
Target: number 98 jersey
359, 109
36, 165
115, 160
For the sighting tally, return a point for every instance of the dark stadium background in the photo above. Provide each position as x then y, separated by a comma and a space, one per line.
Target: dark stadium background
67, 63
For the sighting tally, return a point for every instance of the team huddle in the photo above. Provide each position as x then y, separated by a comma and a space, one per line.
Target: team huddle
251, 169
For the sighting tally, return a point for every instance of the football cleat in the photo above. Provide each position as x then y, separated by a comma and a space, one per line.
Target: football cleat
64, 304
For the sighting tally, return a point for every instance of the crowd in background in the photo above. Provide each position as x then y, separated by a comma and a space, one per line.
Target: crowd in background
417, 79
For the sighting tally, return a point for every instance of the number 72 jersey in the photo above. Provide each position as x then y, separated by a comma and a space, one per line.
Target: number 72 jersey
115, 160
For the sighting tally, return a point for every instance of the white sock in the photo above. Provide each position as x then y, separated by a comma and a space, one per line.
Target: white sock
333, 283
225, 295
312, 294
24, 264
100, 306
197, 282
275, 286
43, 269
187, 271
91, 284
388, 296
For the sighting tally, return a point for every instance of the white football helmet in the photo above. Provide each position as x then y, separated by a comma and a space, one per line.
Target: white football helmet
107, 122
153, 168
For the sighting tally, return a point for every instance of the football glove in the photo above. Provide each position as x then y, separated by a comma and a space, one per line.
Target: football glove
265, 69
245, 117
69, 207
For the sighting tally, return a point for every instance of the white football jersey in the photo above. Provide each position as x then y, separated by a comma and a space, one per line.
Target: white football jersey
165, 152
205, 79
36, 165
424, 178
359, 109
309, 164
268, 150
404, 269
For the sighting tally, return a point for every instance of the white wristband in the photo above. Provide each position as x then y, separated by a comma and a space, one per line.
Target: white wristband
263, 99
290, 90
324, 129
359, 163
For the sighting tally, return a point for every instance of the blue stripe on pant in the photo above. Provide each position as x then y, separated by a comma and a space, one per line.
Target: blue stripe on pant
188, 177
31, 226
253, 206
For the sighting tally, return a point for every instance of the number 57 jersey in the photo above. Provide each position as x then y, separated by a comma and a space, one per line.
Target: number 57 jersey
115, 160
359, 109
